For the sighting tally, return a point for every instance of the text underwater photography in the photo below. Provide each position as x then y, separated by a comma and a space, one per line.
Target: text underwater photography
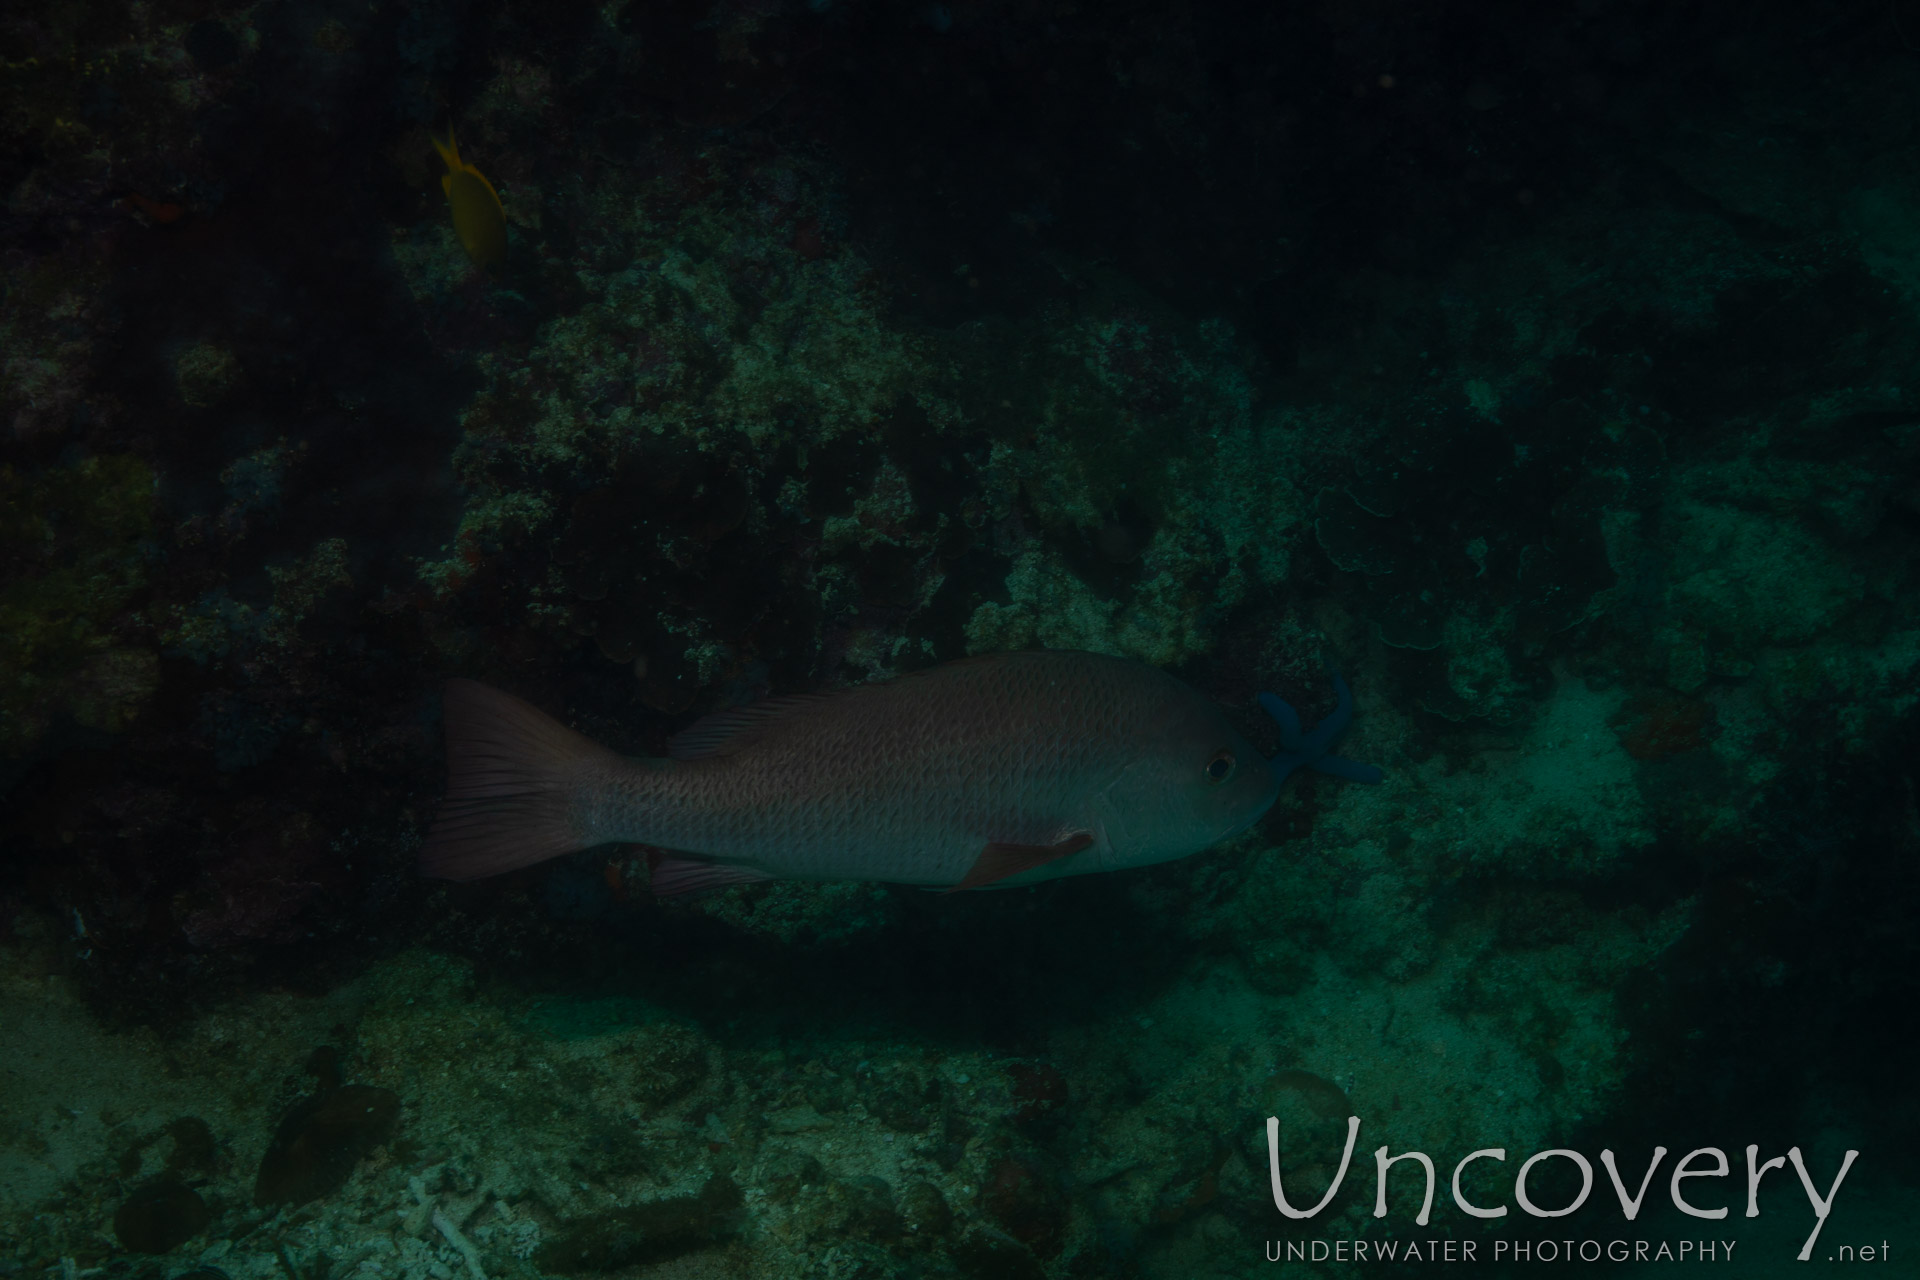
1616, 1247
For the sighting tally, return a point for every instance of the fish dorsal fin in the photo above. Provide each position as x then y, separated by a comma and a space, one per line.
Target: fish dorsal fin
728, 732
725, 732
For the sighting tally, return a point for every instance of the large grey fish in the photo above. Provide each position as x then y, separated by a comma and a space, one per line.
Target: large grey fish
998, 770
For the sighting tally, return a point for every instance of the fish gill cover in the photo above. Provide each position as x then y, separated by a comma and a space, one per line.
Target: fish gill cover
1547, 369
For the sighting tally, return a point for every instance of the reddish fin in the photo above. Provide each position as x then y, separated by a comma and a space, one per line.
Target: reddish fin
670, 877
998, 861
512, 771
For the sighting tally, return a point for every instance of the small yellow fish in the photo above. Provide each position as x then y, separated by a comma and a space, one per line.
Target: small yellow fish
478, 218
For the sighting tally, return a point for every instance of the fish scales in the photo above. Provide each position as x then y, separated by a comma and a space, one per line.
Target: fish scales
903, 781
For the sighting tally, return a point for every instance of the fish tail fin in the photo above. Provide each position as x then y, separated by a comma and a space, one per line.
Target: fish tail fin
449, 150
513, 773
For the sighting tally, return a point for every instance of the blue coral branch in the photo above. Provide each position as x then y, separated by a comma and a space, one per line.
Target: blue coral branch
1311, 748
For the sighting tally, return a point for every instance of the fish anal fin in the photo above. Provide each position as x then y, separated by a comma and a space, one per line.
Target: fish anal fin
998, 861
670, 877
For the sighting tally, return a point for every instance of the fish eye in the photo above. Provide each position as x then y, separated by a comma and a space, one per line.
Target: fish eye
1220, 768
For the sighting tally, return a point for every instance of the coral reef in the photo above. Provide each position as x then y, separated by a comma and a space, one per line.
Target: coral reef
1551, 373
77, 535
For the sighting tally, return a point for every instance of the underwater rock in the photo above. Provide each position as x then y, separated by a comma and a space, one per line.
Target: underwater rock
1027, 1204
644, 1233
206, 374
782, 1175
925, 1210
76, 532
193, 1148
669, 1064
273, 867
903, 1108
160, 1216
110, 691
1039, 1094
1356, 539
321, 1139
857, 1209
796, 1120
1193, 1188
1656, 727
988, 1255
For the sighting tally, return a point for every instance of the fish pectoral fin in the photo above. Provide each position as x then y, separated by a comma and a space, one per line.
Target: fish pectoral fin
998, 861
669, 877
